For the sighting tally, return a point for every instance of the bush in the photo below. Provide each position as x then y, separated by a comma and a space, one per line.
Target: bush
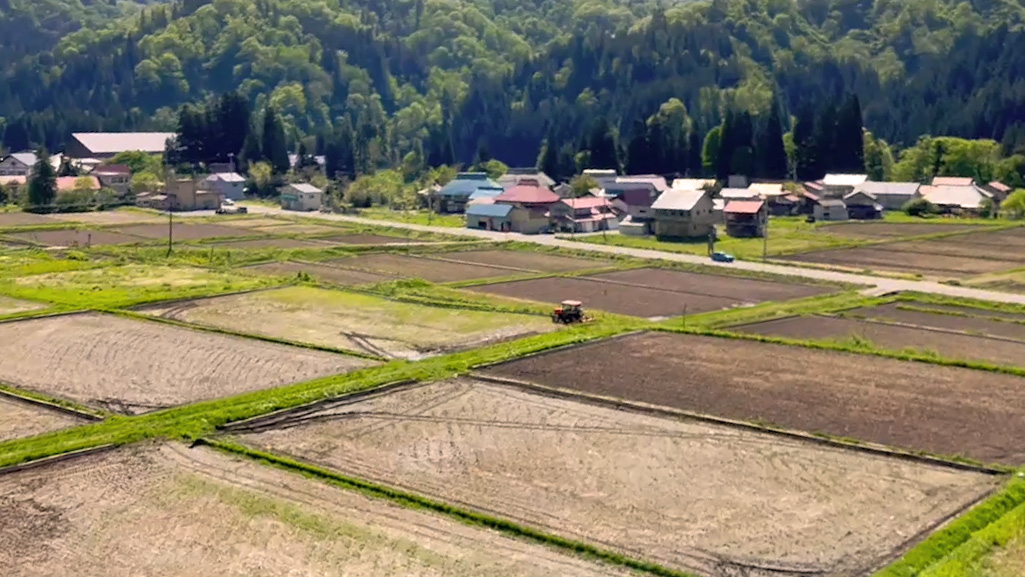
920, 207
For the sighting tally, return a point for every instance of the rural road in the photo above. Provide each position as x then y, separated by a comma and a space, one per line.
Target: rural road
875, 285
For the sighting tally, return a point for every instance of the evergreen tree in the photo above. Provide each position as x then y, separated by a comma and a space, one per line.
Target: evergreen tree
743, 158
710, 151
232, 127
548, 160
825, 139
638, 150
601, 144
726, 145
42, 183
807, 155
303, 158
772, 156
251, 152
273, 146
338, 160
849, 149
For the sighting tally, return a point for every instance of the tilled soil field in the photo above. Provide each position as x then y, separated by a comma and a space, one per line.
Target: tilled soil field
23, 419
708, 498
133, 366
303, 229
959, 246
882, 258
413, 267
981, 322
997, 241
106, 217
916, 406
742, 290
254, 221
24, 219
80, 238
331, 274
258, 243
611, 297
183, 231
352, 321
898, 338
892, 230
169, 511
529, 261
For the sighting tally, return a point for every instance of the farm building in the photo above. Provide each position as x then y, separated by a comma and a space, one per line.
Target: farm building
490, 216
182, 194
863, 206
746, 218
890, 195
516, 175
729, 194
99, 145
484, 195
784, 204
532, 204
635, 206
117, 177
453, 197
693, 183
684, 214
999, 190
839, 185
767, 190
830, 209
953, 181
302, 197
586, 214
956, 198
229, 185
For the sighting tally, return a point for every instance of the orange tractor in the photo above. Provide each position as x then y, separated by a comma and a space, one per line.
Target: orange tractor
569, 312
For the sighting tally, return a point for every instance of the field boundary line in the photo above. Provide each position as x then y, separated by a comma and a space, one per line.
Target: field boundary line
72, 409
662, 411
54, 459
890, 323
238, 334
136, 308
49, 312
415, 501
560, 348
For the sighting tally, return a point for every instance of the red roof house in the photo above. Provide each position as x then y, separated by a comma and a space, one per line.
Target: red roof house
527, 194
746, 218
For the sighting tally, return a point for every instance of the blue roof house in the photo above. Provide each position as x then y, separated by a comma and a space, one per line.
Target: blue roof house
454, 196
490, 216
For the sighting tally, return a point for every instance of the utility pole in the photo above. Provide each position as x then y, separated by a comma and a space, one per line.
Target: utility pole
765, 241
170, 228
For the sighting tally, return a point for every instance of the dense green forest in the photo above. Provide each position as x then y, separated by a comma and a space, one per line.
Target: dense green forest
452, 81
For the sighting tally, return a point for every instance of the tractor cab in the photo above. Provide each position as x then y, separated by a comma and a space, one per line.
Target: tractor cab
569, 312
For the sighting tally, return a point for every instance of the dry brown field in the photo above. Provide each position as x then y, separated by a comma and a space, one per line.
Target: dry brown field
528, 261
911, 405
302, 229
133, 366
354, 322
965, 319
330, 274
81, 238
24, 219
612, 297
23, 419
183, 231
414, 267
258, 243
884, 258
254, 222
709, 498
894, 337
106, 217
169, 511
882, 230
742, 290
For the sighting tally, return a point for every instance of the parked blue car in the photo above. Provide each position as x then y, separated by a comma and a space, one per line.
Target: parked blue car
722, 257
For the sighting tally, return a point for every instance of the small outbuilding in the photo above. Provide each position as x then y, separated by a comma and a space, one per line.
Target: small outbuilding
863, 206
830, 209
746, 218
490, 216
302, 197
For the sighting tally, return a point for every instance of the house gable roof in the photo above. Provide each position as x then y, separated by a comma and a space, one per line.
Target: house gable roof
888, 188
844, 179
960, 196
27, 158
738, 193
586, 202
486, 192
226, 177
114, 142
526, 194
999, 186
678, 199
112, 169
953, 181
744, 207
305, 187
465, 183
489, 210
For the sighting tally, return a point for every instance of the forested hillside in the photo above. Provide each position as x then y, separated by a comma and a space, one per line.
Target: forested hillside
451, 80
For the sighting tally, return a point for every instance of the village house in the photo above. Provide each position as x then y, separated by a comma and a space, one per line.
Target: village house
531, 204
490, 216
829, 209
229, 185
515, 176
586, 214
840, 185
784, 204
117, 177
484, 195
890, 195
863, 205
953, 181
767, 190
957, 198
453, 197
302, 197
21, 163
728, 194
632, 196
681, 214
746, 218
999, 191
100, 145
183, 194
693, 183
